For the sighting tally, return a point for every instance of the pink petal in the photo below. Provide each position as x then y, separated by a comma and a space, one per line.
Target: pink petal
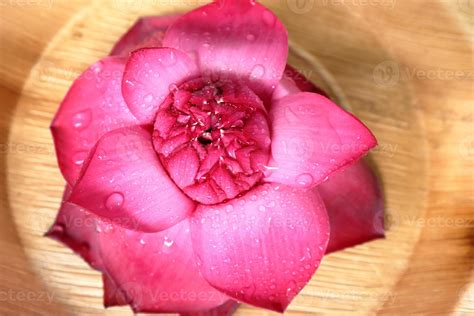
157, 272
240, 38
146, 32
227, 309
355, 207
92, 107
76, 228
183, 166
113, 295
125, 182
150, 73
353, 196
293, 82
264, 247
313, 137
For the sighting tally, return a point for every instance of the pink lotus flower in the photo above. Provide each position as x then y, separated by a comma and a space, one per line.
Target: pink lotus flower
198, 175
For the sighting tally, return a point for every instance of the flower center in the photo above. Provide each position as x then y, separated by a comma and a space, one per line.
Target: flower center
213, 139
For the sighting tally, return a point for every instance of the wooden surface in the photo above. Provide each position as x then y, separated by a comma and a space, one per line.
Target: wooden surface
404, 67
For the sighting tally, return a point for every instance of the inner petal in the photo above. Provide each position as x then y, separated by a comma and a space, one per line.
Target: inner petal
212, 137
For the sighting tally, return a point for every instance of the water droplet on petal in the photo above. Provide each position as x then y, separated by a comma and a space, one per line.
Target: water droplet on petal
167, 245
97, 67
148, 98
257, 72
291, 289
114, 201
79, 157
253, 197
268, 18
305, 179
142, 242
262, 208
108, 228
82, 119
250, 37
130, 83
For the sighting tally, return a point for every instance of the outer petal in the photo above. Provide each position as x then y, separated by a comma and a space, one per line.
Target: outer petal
76, 228
92, 107
355, 206
150, 73
313, 137
124, 181
113, 295
227, 309
146, 32
241, 38
262, 248
157, 272
293, 82
353, 196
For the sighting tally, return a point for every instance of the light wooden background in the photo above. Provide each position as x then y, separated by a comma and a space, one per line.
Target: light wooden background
405, 67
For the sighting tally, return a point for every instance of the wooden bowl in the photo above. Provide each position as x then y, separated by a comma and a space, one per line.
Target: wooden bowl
403, 67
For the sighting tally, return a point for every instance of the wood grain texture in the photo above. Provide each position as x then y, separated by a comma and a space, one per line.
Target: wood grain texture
404, 67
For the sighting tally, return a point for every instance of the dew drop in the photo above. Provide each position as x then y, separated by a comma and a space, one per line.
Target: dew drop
114, 201
253, 197
130, 83
142, 242
97, 67
268, 18
305, 179
108, 228
257, 72
79, 157
148, 98
291, 288
262, 208
82, 119
167, 245
250, 37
